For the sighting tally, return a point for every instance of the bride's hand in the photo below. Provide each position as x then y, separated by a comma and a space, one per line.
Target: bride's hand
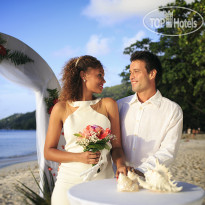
89, 157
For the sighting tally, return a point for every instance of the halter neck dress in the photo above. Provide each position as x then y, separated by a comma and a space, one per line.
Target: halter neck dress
69, 173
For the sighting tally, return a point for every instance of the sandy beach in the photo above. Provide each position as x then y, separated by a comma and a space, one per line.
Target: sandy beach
189, 167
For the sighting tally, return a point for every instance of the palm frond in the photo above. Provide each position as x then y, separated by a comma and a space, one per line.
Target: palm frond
36, 198
30, 194
18, 57
37, 182
48, 189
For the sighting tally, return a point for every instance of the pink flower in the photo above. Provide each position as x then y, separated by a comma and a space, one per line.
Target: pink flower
50, 169
100, 132
90, 129
104, 134
94, 138
97, 128
86, 132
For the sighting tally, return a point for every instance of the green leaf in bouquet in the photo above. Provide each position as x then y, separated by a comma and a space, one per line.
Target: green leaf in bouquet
96, 146
90, 149
78, 135
94, 150
103, 141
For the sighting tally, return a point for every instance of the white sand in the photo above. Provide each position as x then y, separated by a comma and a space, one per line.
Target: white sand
190, 163
8, 178
188, 167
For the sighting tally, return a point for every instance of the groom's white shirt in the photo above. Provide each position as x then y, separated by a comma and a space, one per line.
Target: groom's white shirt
150, 130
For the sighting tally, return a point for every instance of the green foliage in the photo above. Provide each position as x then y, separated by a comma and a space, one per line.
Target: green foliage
27, 121
116, 92
19, 121
183, 63
52, 99
99, 145
16, 57
35, 198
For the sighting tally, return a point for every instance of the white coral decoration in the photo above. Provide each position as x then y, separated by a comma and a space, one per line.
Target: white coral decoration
127, 184
159, 179
133, 176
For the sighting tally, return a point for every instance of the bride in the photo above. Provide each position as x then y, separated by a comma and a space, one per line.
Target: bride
77, 108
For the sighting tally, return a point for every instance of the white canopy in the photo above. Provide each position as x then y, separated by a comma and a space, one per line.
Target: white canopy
37, 76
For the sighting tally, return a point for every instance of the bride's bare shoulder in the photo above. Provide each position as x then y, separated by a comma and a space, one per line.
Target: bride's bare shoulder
109, 102
59, 107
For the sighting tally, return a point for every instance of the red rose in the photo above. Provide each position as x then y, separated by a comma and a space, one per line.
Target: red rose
2, 50
50, 110
55, 101
50, 169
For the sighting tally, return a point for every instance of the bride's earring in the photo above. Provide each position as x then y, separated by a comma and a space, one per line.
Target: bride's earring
84, 80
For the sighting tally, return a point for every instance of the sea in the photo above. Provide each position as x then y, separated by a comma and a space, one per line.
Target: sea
17, 146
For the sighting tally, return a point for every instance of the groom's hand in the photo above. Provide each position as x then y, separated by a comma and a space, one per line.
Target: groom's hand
122, 169
125, 169
139, 173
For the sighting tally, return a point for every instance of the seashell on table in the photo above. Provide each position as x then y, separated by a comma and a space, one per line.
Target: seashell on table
157, 179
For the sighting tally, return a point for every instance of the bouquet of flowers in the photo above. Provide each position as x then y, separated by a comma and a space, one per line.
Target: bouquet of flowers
94, 138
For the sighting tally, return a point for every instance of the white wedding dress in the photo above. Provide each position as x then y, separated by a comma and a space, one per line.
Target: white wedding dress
69, 173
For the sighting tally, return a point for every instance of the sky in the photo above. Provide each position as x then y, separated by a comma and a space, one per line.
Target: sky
63, 29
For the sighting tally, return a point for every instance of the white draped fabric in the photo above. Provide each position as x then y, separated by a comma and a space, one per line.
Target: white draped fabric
37, 76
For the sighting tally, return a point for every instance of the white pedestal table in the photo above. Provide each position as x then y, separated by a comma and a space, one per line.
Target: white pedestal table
104, 192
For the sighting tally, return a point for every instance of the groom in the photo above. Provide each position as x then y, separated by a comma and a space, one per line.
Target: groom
151, 125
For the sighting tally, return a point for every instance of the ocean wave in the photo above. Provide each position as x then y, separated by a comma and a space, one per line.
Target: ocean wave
18, 156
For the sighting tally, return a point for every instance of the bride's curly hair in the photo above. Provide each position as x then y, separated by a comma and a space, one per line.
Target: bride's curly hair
71, 81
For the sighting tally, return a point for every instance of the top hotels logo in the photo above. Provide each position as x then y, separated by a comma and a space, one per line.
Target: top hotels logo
166, 18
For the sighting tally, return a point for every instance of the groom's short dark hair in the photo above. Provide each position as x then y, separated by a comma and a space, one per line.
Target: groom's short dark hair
151, 61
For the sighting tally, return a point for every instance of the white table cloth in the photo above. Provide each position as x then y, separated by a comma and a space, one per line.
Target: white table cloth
104, 192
